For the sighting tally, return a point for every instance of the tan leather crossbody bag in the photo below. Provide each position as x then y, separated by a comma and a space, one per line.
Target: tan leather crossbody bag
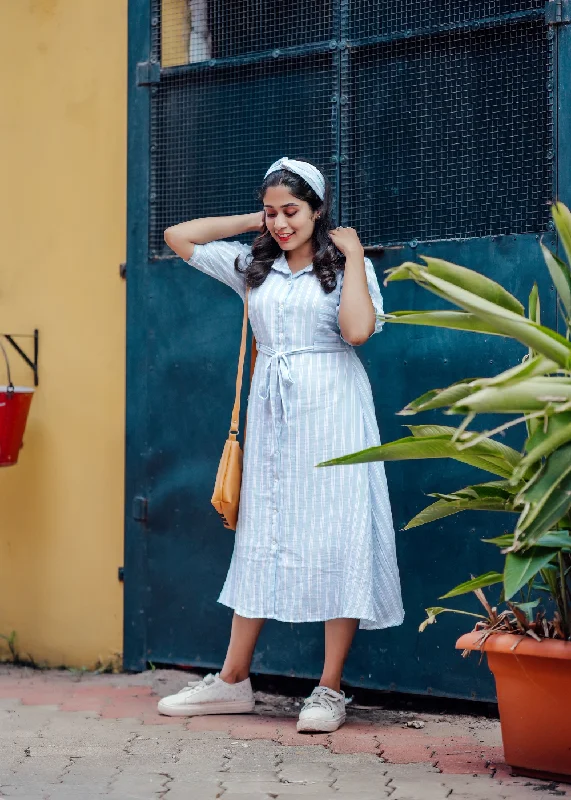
226, 496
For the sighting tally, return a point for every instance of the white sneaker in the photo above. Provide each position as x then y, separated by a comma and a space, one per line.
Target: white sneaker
211, 695
323, 711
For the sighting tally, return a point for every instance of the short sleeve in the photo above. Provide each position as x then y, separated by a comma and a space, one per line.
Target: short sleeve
216, 259
374, 292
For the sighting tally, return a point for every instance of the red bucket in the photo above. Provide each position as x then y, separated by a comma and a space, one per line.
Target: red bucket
14, 407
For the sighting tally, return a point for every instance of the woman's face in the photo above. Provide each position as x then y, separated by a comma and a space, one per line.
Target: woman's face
289, 220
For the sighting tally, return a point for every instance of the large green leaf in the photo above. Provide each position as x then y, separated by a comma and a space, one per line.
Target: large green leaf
555, 468
453, 394
549, 512
544, 442
527, 396
562, 218
537, 337
411, 448
505, 540
486, 447
555, 539
521, 567
473, 282
445, 508
547, 498
439, 398
488, 579
555, 423
494, 464
490, 496
533, 367
560, 276
534, 312
560, 540
490, 489
453, 320
421, 431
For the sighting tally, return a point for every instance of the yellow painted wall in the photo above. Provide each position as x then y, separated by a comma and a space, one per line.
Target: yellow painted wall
175, 32
62, 227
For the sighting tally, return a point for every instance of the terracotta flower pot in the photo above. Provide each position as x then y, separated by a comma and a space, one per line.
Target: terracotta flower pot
533, 685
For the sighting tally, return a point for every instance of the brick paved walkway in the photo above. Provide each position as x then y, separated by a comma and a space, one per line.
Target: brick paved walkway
66, 735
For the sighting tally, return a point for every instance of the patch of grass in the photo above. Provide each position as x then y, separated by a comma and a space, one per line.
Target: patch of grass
112, 665
11, 642
76, 670
15, 657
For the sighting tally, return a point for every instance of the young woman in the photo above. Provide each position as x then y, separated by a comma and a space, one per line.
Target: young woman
311, 544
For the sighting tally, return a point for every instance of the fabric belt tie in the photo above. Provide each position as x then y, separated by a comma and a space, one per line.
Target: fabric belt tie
278, 362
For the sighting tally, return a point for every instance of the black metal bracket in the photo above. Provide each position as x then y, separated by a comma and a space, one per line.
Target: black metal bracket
10, 337
558, 12
140, 509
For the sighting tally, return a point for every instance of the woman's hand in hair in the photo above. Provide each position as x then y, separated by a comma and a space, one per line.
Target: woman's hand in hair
259, 221
347, 241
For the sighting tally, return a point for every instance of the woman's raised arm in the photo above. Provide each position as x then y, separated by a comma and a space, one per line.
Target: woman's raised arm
182, 238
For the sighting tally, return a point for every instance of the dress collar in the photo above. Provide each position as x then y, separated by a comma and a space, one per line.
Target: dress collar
281, 265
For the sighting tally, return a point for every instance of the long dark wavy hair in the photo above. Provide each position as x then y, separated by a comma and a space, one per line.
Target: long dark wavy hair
327, 259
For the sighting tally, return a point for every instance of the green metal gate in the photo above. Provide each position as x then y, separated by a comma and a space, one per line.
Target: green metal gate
440, 127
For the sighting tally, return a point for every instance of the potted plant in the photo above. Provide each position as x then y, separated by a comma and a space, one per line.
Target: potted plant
527, 640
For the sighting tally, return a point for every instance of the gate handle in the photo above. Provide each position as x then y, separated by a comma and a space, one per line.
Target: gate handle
10, 384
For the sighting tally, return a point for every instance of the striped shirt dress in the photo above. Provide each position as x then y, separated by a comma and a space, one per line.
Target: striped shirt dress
311, 543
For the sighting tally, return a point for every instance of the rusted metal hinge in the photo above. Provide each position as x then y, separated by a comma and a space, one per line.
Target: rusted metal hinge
558, 12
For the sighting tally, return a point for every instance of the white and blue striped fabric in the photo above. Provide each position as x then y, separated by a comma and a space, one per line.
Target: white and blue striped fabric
311, 543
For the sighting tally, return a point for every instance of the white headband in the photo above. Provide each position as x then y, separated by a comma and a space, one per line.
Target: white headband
308, 172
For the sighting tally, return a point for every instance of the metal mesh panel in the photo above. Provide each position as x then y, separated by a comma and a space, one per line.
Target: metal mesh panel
215, 132
435, 118
449, 135
381, 18
241, 85
199, 30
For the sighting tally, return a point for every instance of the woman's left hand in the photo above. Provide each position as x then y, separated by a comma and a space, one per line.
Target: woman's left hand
347, 241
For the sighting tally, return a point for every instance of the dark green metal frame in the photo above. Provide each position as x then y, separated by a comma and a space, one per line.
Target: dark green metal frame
136, 421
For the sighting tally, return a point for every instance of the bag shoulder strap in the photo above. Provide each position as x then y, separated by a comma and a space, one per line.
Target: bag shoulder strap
236, 410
